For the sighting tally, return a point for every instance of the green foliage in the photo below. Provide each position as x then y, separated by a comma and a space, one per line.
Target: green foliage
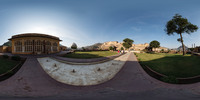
172, 64
16, 58
180, 25
170, 79
7, 64
127, 43
145, 50
162, 50
122, 48
111, 48
74, 46
83, 48
90, 54
179, 40
169, 51
191, 49
154, 44
5, 56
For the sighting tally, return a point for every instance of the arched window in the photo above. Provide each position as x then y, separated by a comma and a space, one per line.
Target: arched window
18, 46
28, 46
38, 46
55, 46
48, 46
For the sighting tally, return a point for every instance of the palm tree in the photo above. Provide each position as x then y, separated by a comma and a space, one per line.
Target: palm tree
180, 25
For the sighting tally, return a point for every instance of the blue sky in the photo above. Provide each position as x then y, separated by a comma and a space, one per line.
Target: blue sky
86, 22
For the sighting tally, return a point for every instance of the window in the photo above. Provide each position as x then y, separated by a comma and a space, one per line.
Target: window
55, 46
38, 46
48, 46
18, 46
28, 46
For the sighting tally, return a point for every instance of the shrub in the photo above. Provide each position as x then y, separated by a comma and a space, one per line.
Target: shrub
168, 51
5, 56
74, 46
111, 48
17, 58
145, 50
162, 51
170, 79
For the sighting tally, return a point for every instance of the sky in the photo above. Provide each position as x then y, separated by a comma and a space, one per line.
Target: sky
86, 22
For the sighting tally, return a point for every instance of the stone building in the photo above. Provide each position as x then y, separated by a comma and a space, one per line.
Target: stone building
34, 43
4, 49
106, 45
139, 47
136, 47
160, 49
197, 49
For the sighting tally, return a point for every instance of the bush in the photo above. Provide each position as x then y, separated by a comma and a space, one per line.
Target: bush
168, 51
16, 58
111, 48
162, 51
170, 79
5, 56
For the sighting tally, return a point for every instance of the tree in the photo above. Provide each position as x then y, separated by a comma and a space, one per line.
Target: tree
111, 48
180, 25
127, 43
154, 44
83, 48
122, 48
74, 46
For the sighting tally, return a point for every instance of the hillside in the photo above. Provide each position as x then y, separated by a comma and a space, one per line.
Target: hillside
9, 43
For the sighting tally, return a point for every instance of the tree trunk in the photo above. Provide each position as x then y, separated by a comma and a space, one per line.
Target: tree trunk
182, 44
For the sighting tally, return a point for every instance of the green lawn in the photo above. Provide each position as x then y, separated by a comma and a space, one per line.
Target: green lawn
6, 65
90, 54
171, 64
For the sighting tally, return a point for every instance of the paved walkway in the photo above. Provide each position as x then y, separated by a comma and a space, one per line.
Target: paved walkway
131, 83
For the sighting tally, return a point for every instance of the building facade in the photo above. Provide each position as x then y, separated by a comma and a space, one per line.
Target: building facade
197, 49
4, 49
34, 43
136, 47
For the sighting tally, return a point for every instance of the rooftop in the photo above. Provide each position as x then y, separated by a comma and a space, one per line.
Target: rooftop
34, 35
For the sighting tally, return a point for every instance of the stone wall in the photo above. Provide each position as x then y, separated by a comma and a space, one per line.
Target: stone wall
137, 47
160, 49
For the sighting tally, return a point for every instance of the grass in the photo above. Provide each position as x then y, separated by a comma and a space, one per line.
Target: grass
90, 54
171, 64
6, 65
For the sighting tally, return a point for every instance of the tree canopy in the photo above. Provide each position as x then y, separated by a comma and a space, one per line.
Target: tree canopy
154, 44
180, 25
111, 48
74, 46
127, 43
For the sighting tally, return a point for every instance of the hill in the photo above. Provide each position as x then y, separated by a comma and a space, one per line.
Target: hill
93, 47
9, 43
